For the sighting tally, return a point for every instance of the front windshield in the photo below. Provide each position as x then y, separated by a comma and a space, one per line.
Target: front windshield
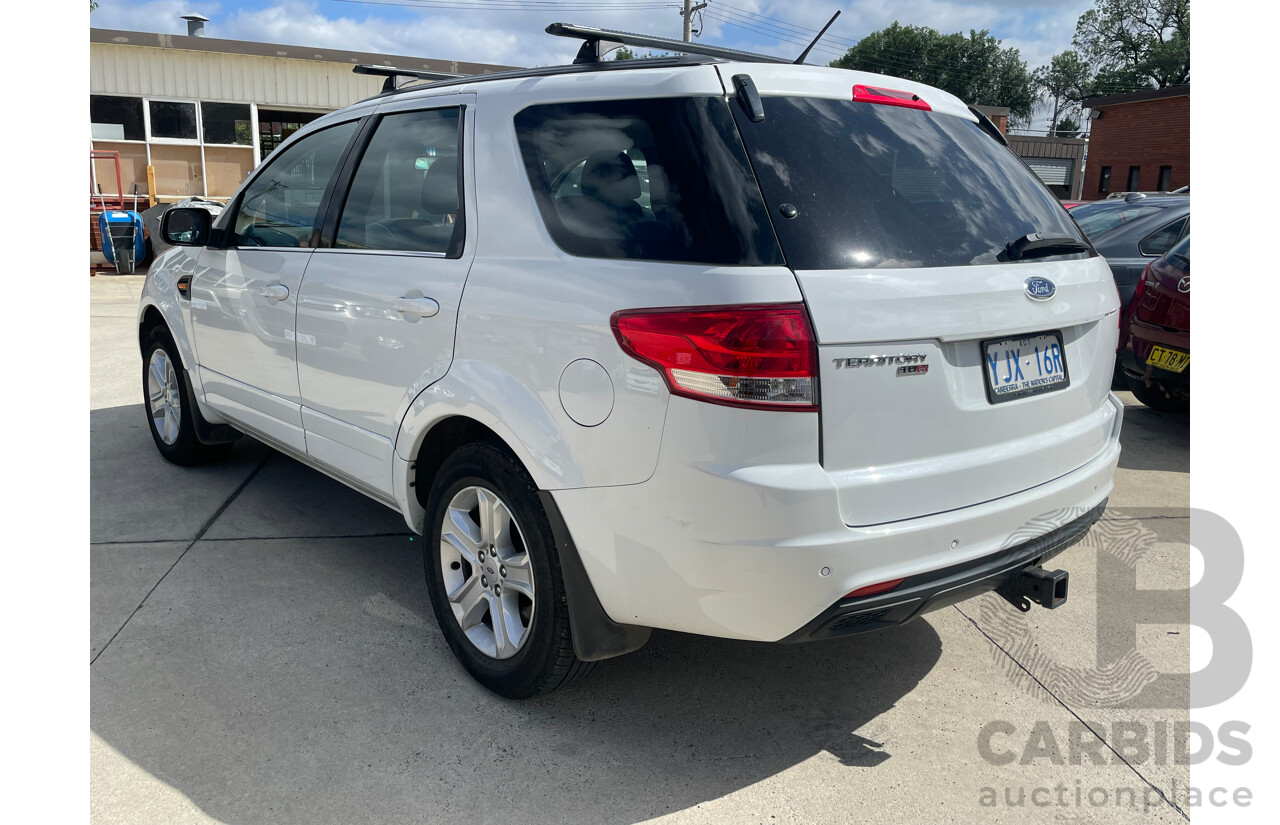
873, 186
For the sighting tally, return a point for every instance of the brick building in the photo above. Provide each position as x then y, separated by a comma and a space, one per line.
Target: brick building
1139, 142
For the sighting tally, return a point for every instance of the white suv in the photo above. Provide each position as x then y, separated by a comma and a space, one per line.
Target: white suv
749, 350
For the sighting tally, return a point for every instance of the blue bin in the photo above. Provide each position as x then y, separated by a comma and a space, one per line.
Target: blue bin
122, 240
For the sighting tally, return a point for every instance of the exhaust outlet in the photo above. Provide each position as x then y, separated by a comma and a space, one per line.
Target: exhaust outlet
1035, 584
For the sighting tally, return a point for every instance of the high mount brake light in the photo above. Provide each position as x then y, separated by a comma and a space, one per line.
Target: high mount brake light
760, 357
889, 97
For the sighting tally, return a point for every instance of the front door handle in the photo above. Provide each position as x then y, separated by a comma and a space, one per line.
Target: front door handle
419, 307
276, 292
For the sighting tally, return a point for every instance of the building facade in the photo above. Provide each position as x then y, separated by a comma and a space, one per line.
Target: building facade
193, 115
1057, 161
1139, 142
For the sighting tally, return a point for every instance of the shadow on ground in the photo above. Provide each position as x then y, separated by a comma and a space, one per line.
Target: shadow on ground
1153, 440
292, 679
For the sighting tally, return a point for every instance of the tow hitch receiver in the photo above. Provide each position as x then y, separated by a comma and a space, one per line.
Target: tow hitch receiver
1035, 584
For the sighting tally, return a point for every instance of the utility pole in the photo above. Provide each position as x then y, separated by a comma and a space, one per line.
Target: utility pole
687, 14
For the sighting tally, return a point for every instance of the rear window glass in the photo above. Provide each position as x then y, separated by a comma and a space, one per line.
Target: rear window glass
1098, 218
872, 186
662, 180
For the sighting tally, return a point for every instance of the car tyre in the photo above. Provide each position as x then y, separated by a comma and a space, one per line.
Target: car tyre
1154, 397
493, 575
169, 405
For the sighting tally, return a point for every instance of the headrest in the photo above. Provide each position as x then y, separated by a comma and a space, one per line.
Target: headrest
610, 176
440, 187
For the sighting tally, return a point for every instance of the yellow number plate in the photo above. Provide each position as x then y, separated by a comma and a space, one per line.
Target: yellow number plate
1169, 359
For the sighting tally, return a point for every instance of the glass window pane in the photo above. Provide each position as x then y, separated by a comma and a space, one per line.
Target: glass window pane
1158, 242
404, 195
116, 118
173, 120
661, 180
226, 123
279, 208
887, 186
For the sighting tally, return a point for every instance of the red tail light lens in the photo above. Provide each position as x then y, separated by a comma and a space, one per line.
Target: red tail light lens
762, 357
872, 589
1142, 285
889, 97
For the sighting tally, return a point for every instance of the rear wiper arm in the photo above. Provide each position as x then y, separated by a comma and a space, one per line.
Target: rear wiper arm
1036, 245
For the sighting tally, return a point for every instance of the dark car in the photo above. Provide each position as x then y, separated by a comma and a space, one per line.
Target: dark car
1155, 332
1132, 233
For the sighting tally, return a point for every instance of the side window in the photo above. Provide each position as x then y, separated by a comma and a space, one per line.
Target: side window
405, 195
1158, 242
279, 208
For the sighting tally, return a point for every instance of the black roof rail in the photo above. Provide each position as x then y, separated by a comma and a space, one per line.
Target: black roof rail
391, 73
592, 50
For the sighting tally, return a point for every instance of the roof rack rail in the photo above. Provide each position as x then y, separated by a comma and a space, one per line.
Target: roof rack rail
594, 48
391, 73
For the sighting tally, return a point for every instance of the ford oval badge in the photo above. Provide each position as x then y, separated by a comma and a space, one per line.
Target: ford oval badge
1040, 289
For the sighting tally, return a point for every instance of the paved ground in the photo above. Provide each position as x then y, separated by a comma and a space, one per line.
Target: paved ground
262, 651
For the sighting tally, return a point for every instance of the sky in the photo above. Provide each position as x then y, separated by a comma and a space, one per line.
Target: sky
510, 32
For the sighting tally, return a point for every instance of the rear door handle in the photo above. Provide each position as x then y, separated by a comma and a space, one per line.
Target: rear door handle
276, 292
419, 307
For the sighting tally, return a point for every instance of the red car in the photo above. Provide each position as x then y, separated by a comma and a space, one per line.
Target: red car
1155, 333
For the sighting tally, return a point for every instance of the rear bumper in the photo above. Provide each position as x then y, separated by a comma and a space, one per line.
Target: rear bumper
761, 552
1142, 337
936, 589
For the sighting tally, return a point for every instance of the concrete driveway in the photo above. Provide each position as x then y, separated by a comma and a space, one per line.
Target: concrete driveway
262, 651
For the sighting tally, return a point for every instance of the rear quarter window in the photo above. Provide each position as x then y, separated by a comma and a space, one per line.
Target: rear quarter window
663, 180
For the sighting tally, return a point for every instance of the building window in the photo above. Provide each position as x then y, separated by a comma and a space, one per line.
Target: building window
116, 118
1104, 182
1166, 174
173, 121
226, 123
1133, 178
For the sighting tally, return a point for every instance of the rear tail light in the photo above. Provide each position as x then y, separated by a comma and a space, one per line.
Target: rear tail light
761, 357
1142, 285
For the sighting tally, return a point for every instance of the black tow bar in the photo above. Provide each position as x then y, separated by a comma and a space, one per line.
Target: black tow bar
1035, 584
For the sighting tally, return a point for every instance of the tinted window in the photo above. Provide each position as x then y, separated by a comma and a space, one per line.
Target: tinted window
1180, 255
1097, 218
404, 195
279, 207
664, 180
226, 123
1158, 242
887, 186
173, 120
116, 118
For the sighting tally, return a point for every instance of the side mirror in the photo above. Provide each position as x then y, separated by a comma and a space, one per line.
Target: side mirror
186, 226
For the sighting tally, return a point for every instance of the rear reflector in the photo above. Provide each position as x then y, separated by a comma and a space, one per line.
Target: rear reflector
889, 97
872, 589
762, 357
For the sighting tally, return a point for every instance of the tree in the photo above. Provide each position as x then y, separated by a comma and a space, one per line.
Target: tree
623, 53
1067, 82
1068, 127
974, 68
1136, 44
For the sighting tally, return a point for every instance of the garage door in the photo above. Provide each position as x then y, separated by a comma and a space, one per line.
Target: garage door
1053, 171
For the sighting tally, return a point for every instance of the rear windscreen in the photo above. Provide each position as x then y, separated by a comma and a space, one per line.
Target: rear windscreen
870, 185
661, 180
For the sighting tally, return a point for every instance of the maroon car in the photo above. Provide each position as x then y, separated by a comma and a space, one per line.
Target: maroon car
1155, 333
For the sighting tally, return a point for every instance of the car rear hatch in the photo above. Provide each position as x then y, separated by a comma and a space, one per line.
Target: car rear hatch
1166, 296
960, 360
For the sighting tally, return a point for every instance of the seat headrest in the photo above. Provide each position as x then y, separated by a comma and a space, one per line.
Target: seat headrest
440, 187
611, 177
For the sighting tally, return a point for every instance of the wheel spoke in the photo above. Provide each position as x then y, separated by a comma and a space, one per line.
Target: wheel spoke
158, 368
488, 506
171, 424
463, 539
501, 640
470, 597
519, 574
156, 397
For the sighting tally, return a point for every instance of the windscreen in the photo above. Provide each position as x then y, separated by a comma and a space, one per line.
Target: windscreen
1098, 218
865, 185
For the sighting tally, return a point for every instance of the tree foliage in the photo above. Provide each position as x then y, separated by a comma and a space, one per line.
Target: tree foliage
623, 53
974, 68
1136, 44
1065, 83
